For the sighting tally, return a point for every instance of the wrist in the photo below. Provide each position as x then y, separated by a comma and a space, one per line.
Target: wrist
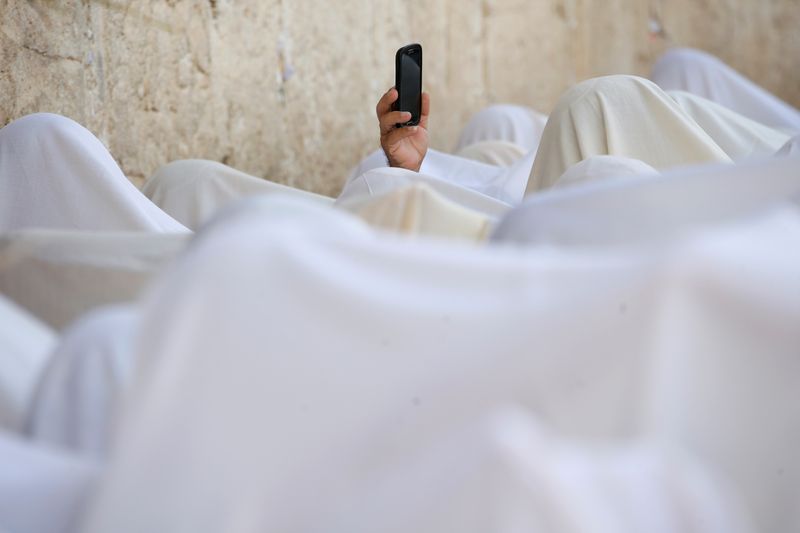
406, 165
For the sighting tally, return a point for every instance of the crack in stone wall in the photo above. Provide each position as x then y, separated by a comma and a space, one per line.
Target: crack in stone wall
286, 90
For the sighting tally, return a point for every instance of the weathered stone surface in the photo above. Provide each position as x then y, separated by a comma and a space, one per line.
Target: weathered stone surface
286, 89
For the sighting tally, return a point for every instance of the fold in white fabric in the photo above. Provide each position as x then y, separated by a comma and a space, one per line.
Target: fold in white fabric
419, 209
699, 73
193, 190
504, 184
342, 366
640, 210
600, 167
380, 181
42, 490
516, 124
75, 402
737, 135
59, 275
622, 116
497, 153
55, 174
25, 346
791, 148
503, 472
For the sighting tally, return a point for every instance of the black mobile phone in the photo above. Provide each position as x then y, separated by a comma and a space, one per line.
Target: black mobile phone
408, 81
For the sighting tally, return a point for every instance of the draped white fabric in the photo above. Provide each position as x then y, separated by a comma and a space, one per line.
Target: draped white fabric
193, 190
601, 167
419, 209
503, 472
415, 204
641, 209
55, 174
504, 184
699, 73
75, 403
42, 489
380, 181
25, 345
497, 153
622, 116
792, 147
294, 360
516, 124
737, 135
58, 275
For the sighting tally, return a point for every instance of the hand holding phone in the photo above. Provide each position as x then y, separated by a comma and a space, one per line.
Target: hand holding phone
403, 113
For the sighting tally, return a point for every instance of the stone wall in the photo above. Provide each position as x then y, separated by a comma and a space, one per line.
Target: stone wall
285, 89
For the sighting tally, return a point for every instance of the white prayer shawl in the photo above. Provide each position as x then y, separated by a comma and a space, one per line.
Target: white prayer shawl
699, 73
739, 136
55, 174
42, 489
516, 124
621, 116
497, 153
74, 405
380, 181
504, 184
601, 167
293, 364
418, 209
640, 210
193, 190
59, 275
414, 204
502, 471
25, 346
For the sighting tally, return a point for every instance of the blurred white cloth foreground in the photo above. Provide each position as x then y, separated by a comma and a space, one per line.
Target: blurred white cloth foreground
25, 346
193, 190
300, 373
58, 275
501, 471
55, 174
792, 147
699, 73
74, 405
642, 209
42, 490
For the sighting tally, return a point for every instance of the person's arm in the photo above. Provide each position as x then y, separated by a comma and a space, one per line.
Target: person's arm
404, 147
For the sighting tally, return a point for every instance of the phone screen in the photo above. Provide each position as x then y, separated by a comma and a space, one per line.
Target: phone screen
409, 81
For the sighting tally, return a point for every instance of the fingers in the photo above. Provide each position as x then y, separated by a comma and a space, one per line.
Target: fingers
425, 110
386, 101
388, 120
398, 134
